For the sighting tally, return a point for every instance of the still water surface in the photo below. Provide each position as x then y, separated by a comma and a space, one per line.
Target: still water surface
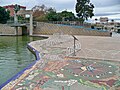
14, 55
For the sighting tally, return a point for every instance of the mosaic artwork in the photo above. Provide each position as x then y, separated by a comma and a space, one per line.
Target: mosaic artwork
59, 69
71, 75
90, 70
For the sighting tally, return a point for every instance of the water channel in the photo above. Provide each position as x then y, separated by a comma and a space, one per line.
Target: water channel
14, 55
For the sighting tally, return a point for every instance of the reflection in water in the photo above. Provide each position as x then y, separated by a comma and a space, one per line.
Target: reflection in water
14, 55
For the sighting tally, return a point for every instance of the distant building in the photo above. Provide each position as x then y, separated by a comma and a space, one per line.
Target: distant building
11, 9
104, 19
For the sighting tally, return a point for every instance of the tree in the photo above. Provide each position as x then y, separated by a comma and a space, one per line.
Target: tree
38, 11
67, 15
41, 12
84, 9
53, 16
96, 20
4, 15
50, 10
64, 15
112, 20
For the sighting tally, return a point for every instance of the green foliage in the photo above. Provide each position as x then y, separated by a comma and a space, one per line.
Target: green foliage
67, 16
20, 18
84, 9
64, 15
43, 13
4, 15
53, 16
41, 18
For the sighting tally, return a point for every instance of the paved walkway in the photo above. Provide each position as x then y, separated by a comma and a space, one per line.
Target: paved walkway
95, 66
104, 48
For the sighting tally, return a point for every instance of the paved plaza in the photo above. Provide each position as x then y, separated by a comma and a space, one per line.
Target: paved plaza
95, 65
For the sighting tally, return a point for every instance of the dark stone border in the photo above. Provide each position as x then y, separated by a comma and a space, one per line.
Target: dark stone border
36, 53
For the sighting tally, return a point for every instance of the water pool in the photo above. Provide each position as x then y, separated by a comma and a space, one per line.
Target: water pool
14, 55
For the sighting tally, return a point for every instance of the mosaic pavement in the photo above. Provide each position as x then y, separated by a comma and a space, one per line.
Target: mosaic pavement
70, 75
57, 72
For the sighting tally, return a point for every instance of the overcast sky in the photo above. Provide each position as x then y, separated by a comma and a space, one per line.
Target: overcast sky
108, 8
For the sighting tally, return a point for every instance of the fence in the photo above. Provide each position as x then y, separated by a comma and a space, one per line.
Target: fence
50, 29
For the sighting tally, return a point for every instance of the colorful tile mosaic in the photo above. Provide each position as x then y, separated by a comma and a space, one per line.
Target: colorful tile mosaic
63, 75
55, 71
